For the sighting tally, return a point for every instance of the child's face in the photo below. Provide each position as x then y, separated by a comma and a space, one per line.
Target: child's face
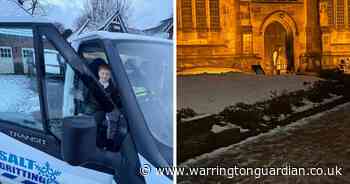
104, 74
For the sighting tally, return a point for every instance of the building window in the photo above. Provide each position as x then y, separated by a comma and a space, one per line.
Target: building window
186, 11
201, 18
178, 15
214, 15
326, 40
27, 53
28, 60
330, 12
340, 12
349, 12
247, 43
325, 44
5, 52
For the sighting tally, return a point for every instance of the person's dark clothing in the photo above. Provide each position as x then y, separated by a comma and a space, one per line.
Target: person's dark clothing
93, 105
101, 140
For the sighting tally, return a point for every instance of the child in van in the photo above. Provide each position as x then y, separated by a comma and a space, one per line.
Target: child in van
104, 75
106, 121
92, 104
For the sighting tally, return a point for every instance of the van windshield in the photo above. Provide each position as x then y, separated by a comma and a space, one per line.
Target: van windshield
149, 66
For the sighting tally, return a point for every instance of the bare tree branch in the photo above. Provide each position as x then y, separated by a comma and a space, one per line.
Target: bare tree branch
98, 11
34, 7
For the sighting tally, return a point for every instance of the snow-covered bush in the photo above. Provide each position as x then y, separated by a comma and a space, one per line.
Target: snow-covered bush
185, 113
331, 74
279, 104
341, 81
245, 115
319, 91
254, 116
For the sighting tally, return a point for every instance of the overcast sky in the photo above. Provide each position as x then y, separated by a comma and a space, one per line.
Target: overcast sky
144, 13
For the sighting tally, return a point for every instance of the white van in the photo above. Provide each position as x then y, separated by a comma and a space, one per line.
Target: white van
45, 134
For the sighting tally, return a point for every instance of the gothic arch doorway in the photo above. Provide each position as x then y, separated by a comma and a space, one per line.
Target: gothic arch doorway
278, 48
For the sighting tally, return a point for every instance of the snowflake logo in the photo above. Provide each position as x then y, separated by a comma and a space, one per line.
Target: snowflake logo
49, 173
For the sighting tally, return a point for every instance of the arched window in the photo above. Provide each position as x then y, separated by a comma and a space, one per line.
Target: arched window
186, 11
201, 18
214, 15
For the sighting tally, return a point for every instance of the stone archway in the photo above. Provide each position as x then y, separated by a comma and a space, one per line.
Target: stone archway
278, 30
278, 43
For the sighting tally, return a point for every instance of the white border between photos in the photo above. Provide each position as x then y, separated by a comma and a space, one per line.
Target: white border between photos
174, 91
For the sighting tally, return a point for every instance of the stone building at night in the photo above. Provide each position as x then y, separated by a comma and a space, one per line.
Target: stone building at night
306, 35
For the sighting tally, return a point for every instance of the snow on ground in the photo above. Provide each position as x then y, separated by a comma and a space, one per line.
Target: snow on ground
319, 141
211, 93
16, 94
196, 118
278, 131
217, 128
309, 104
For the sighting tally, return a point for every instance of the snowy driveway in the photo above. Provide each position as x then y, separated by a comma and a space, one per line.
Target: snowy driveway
322, 141
17, 94
211, 93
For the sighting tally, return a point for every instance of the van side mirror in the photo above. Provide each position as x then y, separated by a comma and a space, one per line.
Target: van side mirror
79, 139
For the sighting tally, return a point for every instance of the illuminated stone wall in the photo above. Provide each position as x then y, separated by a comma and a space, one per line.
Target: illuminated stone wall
238, 34
335, 26
289, 15
210, 40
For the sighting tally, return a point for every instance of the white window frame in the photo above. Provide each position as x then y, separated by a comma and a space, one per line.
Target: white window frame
24, 49
31, 49
9, 48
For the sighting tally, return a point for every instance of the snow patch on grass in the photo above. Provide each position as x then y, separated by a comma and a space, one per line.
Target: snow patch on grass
196, 118
217, 128
309, 105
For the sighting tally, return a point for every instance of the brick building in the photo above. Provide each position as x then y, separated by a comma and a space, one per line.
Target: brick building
17, 51
307, 35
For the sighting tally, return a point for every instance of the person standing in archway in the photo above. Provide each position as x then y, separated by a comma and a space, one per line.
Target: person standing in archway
275, 57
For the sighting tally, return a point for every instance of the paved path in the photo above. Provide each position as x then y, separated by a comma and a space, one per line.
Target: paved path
323, 142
